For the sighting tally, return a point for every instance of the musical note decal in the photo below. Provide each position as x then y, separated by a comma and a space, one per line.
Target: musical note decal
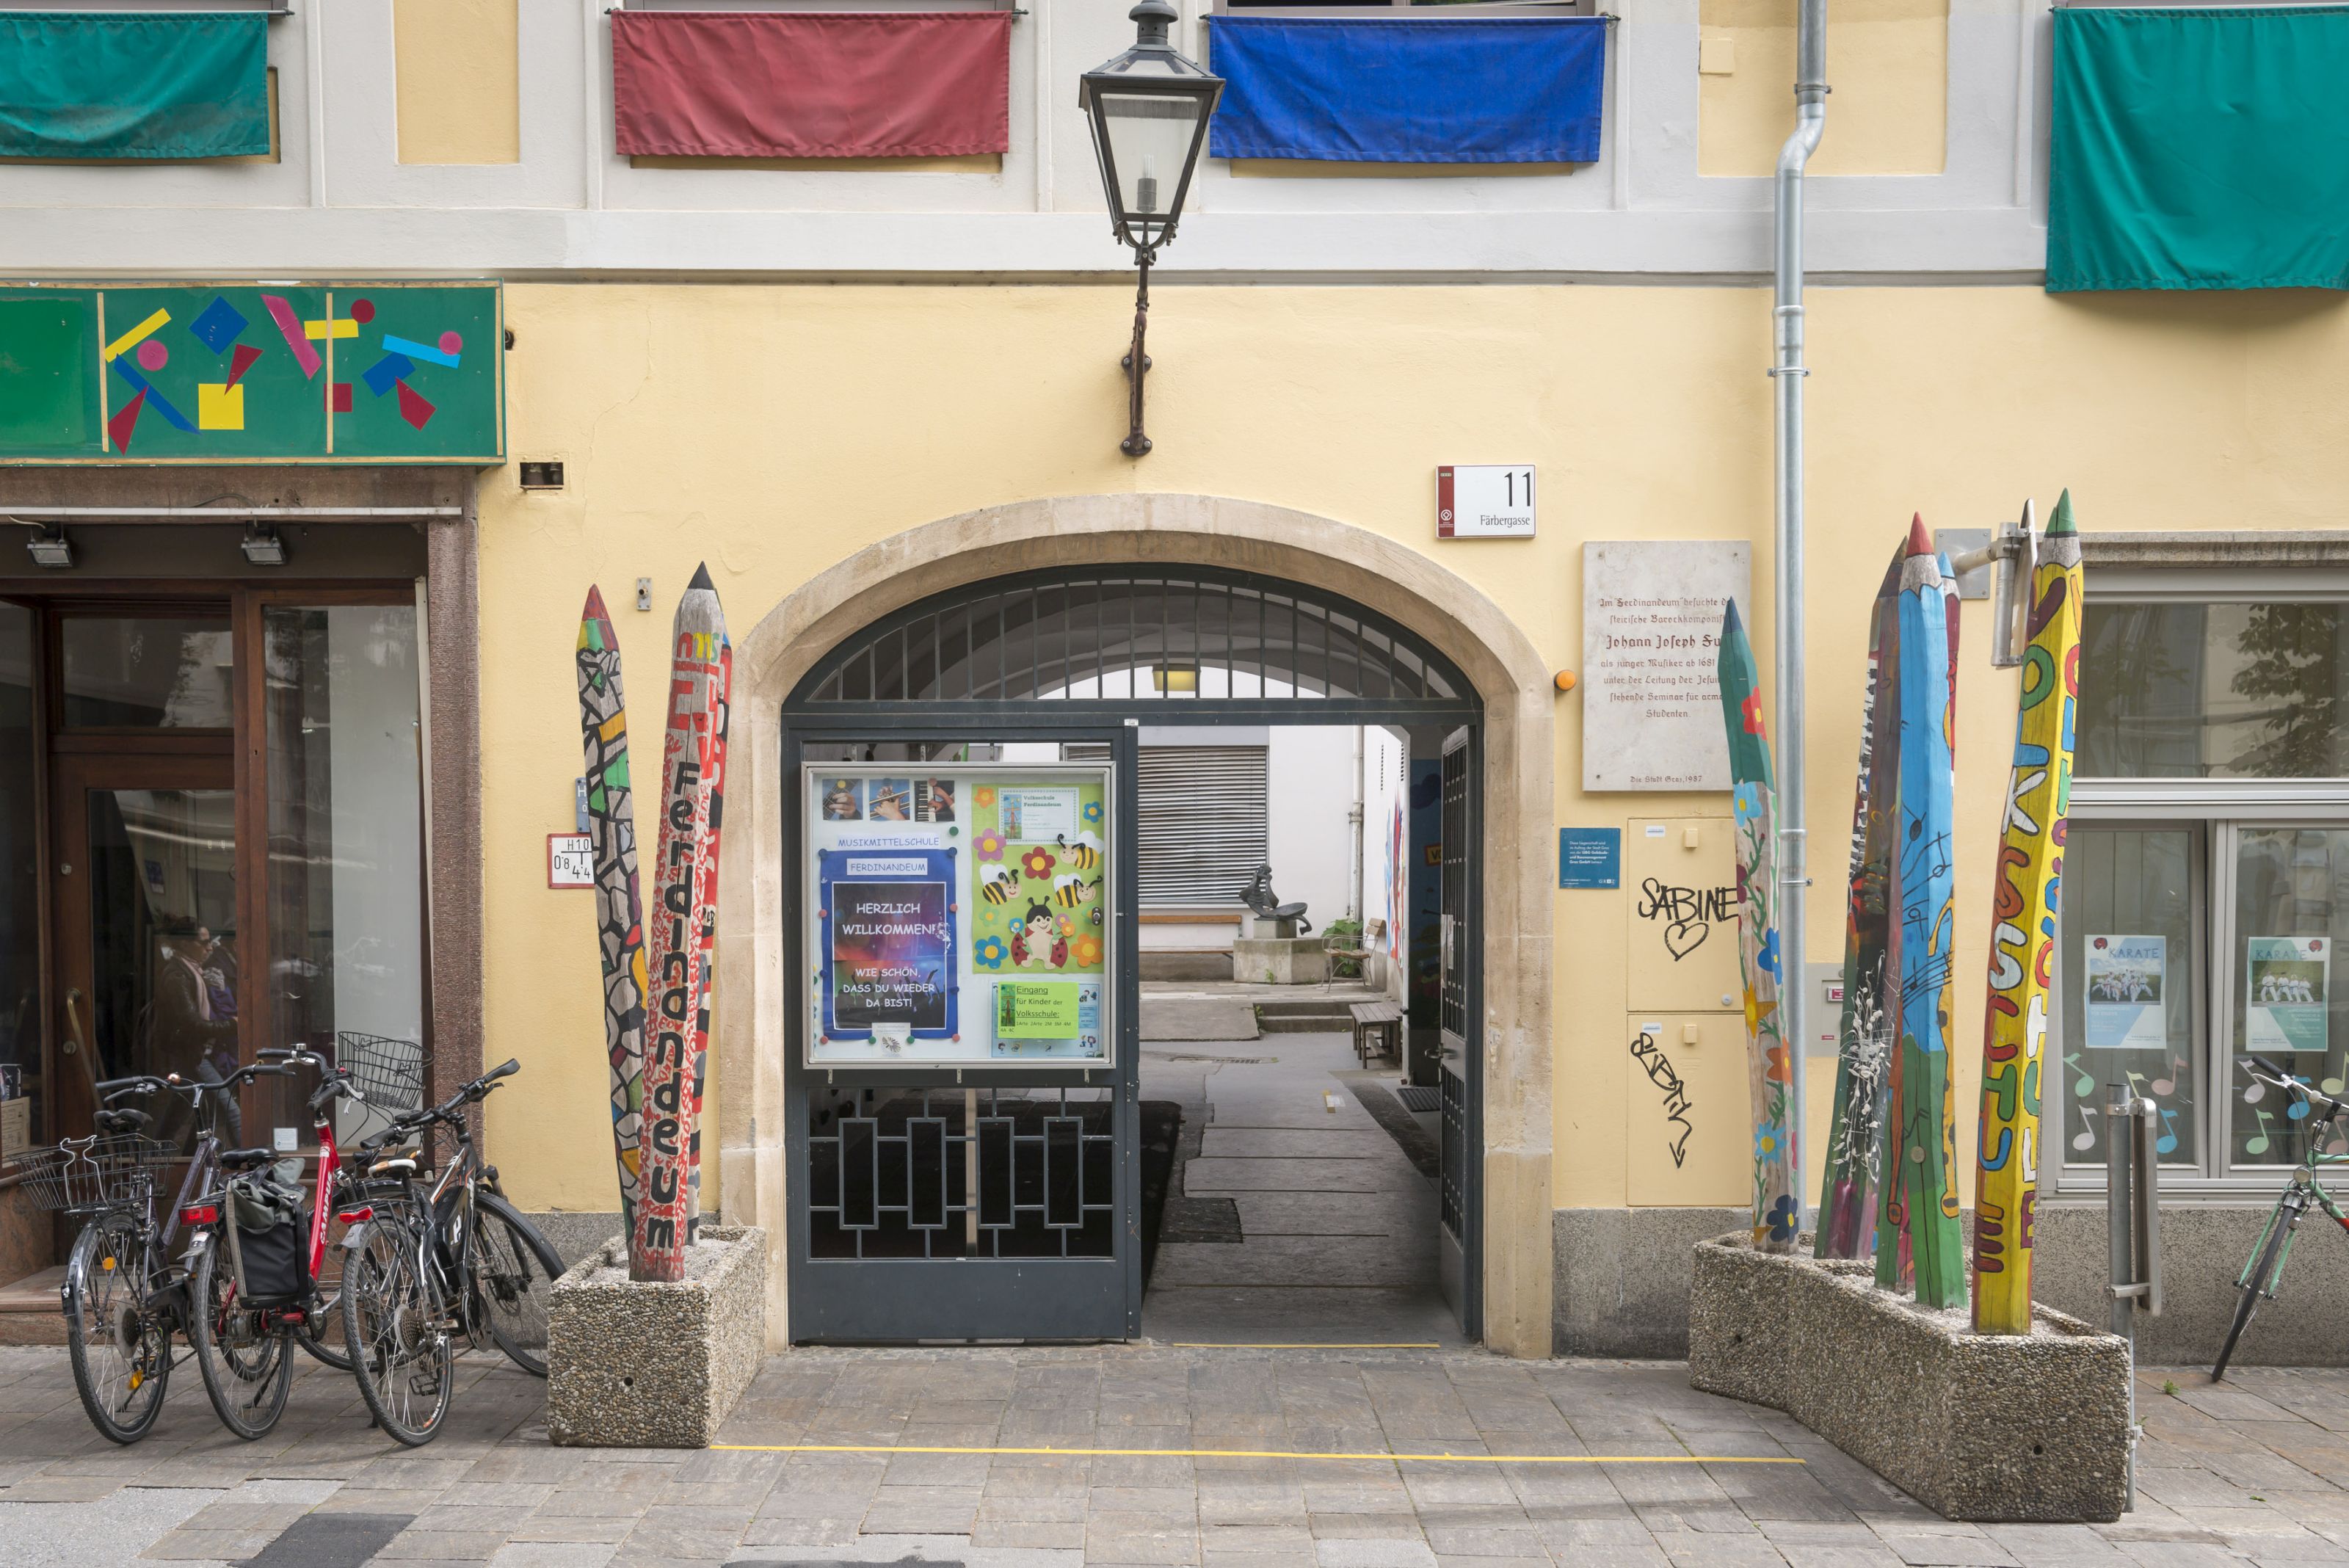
2085, 1139
2135, 1079
2086, 1083
2258, 1144
2170, 1086
2168, 1142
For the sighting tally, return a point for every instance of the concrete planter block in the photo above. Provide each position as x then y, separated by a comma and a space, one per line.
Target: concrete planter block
1290, 961
1976, 1427
633, 1366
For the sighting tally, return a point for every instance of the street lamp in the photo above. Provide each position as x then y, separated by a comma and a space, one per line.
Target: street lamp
1148, 110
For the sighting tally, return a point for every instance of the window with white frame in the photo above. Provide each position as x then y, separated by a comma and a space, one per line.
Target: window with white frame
2206, 870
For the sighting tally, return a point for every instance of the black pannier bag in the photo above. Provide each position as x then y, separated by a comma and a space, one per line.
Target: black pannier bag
271, 1238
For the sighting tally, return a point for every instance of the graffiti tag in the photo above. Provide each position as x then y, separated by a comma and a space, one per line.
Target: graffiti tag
1689, 913
1677, 1104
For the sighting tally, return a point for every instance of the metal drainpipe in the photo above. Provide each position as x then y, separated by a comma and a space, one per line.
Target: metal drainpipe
1788, 372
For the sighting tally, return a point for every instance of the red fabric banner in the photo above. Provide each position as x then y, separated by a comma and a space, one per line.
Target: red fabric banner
741, 84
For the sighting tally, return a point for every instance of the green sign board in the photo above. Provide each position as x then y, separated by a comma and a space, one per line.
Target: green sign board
153, 373
1036, 1010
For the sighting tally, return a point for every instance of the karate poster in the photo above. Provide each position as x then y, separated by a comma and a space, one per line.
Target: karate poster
2128, 981
2284, 982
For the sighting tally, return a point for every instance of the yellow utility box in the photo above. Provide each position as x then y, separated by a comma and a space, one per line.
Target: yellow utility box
1682, 875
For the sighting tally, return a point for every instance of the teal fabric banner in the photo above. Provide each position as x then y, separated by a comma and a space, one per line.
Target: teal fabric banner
2199, 149
165, 85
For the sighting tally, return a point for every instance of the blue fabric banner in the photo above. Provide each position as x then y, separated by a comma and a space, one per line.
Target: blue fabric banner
1409, 91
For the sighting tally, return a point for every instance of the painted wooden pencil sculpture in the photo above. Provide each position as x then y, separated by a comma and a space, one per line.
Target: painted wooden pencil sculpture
1777, 1207
675, 951
1849, 1181
619, 917
1920, 1139
2022, 933
705, 905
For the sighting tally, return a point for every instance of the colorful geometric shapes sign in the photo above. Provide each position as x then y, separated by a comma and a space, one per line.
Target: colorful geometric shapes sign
95, 374
219, 406
219, 324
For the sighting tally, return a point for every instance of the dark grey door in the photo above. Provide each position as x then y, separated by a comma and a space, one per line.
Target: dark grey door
1460, 1074
960, 1204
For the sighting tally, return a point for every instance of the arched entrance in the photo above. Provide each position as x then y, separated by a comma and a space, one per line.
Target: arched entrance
1400, 591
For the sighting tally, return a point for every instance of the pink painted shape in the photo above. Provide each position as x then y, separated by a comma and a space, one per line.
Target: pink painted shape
290, 324
152, 355
451, 342
239, 360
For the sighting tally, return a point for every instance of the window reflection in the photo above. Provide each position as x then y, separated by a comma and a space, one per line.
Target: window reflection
2214, 690
174, 672
20, 945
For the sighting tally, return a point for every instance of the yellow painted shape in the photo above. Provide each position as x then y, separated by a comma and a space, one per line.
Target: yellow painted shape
1268, 1454
1682, 887
342, 328
2022, 959
1887, 60
219, 406
457, 75
131, 338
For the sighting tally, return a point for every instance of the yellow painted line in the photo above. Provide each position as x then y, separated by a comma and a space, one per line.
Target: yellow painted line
1266, 1454
1302, 1345
130, 338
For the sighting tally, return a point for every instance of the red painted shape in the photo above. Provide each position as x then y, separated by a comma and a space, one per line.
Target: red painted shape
363, 311
239, 360
125, 421
412, 406
338, 397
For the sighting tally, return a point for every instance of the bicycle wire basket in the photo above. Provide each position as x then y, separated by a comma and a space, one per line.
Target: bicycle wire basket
92, 1173
391, 1073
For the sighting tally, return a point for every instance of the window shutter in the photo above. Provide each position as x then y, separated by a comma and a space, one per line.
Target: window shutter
1203, 831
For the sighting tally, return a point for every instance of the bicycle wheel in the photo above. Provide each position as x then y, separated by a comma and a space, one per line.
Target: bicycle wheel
320, 1332
394, 1329
244, 1357
121, 1351
2258, 1282
514, 1273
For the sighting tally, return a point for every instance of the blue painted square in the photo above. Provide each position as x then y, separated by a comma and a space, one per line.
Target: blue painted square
388, 372
1590, 857
217, 326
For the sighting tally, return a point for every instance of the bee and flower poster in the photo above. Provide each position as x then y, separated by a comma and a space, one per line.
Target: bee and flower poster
959, 914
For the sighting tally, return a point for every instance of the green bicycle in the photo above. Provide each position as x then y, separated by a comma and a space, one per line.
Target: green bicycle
2260, 1276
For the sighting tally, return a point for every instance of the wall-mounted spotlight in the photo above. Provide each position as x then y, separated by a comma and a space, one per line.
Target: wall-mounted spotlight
50, 547
262, 547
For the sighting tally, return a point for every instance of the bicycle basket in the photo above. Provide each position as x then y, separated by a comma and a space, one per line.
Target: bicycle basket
94, 1172
390, 1072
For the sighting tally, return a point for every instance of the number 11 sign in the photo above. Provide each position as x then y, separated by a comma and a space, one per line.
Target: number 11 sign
1484, 500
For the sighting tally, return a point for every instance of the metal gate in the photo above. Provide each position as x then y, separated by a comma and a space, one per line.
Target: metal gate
980, 1203
1460, 1077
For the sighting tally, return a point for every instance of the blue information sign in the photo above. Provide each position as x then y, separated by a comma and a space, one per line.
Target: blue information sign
1590, 857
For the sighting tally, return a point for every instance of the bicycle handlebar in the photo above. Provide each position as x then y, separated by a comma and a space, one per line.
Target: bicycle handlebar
2267, 1072
446, 1111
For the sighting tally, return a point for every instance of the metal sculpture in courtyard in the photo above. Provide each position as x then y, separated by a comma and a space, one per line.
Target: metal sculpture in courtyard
2023, 933
1769, 1071
657, 972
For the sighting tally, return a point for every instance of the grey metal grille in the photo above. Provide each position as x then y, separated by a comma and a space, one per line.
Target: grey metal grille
952, 1172
1124, 634
1453, 1189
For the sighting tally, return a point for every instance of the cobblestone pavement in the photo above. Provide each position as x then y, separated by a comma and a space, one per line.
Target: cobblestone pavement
1185, 1456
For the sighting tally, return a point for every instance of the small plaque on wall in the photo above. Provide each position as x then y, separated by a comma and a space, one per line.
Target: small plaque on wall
570, 861
1650, 645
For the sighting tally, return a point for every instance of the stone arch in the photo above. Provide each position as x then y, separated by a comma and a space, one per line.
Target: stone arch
1189, 530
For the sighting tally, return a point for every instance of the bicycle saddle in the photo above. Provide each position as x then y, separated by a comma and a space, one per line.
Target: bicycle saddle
246, 1159
121, 1121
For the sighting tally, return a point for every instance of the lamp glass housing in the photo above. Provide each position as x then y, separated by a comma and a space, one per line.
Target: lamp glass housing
1148, 110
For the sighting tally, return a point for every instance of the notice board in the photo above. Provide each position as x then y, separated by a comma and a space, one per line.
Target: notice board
958, 914
228, 373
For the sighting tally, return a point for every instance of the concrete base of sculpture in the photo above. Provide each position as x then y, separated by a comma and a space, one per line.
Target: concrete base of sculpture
1975, 1427
1279, 960
642, 1365
1265, 928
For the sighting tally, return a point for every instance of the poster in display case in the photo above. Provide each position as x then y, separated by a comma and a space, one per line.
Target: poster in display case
958, 914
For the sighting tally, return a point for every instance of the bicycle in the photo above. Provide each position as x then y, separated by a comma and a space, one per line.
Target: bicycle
421, 1270
2261, 1274
124, 1299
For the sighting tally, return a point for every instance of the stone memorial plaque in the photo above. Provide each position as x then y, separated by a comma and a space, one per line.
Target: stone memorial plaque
1650, 638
